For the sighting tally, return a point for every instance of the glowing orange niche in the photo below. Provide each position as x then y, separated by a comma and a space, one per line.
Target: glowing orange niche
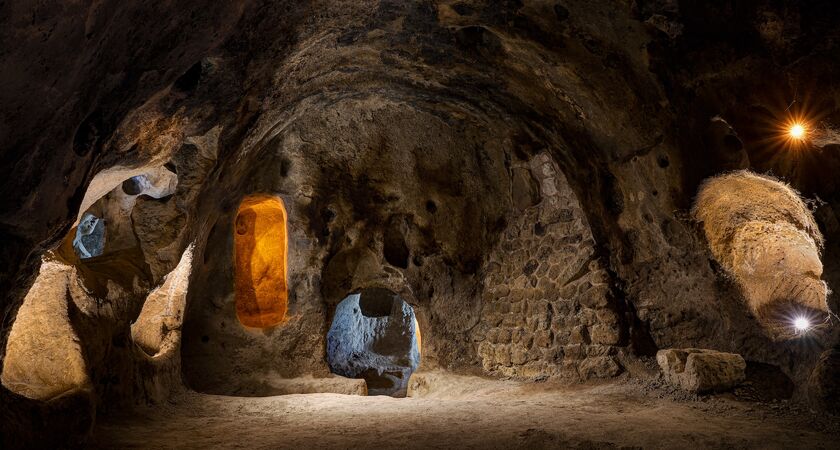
260, 243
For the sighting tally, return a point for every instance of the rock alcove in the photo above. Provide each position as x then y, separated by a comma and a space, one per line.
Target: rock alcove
260, 262
374, 336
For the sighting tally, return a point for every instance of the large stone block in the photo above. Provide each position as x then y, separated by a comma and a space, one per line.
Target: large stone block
699, 370
519, 355
594, 297
604, 334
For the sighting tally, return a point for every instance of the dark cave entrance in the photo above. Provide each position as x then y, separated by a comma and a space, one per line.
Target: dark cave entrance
375, 336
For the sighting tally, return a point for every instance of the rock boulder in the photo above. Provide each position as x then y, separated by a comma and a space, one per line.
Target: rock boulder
701, 371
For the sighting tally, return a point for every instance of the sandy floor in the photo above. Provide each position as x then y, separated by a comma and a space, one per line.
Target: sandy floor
468, 412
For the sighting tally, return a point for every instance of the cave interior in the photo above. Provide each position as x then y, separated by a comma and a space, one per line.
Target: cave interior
420, 224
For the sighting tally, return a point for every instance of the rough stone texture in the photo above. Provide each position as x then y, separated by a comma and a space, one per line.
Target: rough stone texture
308, 385
763, 234
260, 262
103, 295
68, 340
545, 289
156, 334
44, 356
154, 182
824, 392
157, 329
468, 412
373, 336
127, 230
700, 370
90, 237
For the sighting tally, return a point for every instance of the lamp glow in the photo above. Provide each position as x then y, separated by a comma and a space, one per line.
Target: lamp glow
801, 324
797, 131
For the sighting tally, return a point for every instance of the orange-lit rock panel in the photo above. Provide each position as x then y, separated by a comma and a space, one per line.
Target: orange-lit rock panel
417, 336
260, 262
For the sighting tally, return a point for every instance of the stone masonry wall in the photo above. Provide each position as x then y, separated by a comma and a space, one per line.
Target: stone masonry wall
547, 307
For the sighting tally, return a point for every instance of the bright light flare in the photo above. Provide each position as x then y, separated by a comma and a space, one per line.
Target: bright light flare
801, 324
797, 131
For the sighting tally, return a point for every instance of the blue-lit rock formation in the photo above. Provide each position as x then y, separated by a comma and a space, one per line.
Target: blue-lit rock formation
373, 336
90, 237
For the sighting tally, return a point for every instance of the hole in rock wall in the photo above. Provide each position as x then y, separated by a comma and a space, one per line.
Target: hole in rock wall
395, 250
90, 237
135, 185
107, 243
375, 336
44, 355
260, 244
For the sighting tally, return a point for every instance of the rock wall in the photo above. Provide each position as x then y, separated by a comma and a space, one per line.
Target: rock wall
547, 305
44, 358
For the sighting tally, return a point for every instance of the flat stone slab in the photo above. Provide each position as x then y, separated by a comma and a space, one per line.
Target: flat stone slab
700, 370
330, 385
440, 384
267, 385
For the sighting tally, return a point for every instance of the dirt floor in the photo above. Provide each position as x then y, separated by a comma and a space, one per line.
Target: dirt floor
468, 412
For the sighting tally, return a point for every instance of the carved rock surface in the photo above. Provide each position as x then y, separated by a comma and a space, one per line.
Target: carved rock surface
157, 329
517, 171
